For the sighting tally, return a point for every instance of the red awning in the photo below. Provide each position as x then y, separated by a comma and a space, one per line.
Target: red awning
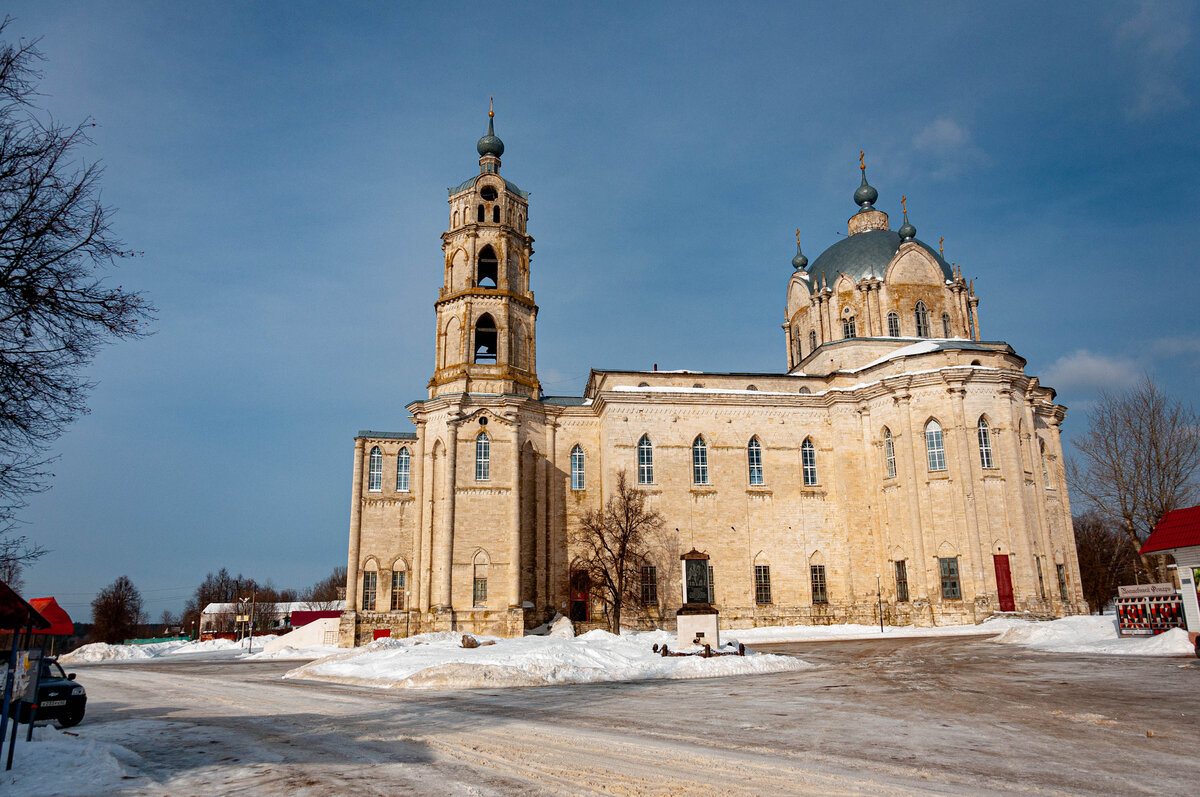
60, 621
1178, 529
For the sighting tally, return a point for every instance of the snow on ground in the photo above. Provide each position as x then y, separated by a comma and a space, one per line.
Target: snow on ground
1088, 634
817, 633
438, 661
55, 763
209, 649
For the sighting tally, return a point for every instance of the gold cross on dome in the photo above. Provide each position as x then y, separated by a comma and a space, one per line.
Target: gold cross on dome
942, 245
904, 203
491, 105
862, 160
797, 236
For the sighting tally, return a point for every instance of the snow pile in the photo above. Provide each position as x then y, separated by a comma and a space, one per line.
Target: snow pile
102, 652
438, 661
819, 633
57, 764
1088, 634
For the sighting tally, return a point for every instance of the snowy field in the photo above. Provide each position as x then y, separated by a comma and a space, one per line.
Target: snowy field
211, 650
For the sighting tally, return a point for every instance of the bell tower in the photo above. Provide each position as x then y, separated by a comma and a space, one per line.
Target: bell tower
485, 310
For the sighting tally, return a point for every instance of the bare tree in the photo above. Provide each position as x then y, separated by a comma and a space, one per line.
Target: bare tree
1106, 559
324, 595
1138, 460
613, 543
117, 612
55, 309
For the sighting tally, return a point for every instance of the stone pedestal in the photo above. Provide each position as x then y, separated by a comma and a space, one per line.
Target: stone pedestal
697, 625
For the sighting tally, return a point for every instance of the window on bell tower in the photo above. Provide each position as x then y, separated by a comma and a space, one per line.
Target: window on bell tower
496, 214
489, 268
485, 339
479, 216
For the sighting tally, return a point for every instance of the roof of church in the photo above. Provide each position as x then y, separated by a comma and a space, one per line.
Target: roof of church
385, 435
865, 254
465, 184
565, 401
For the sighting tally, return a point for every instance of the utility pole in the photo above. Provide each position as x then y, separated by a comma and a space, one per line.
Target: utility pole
250, 646
879, 597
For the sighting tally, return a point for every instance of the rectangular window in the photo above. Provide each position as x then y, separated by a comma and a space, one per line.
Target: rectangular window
889, 455
848, 330
403, 464
893, 325
577, 469
985, 445
483, 457
649, 585
935, 446
398, 590
808, 459
712, 586
479, 592
762, 584
1062, 582
901, 582
1041, 580
819, 594
369, 586
948, 566
645, 462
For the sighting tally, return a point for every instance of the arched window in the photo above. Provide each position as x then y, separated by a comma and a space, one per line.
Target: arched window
699, 461
496, 214
479, 215
808, 460
375, 471
489, 268
479, 580
578, 481
399, 586
454, 219
483, 457
945, 325
645, 456
403, 463
921, 314
848, 330
754, 461
889, 453
752, 387
485, 339
804, 391
985, 443
370, 586
894, 325
812, 340
935, 449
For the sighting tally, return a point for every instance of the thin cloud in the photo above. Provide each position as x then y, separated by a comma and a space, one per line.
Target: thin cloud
949, 145
1083, 370
1155, 38
1179, 346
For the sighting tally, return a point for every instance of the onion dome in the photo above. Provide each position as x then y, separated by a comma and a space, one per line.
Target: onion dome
490, 144
907, 231
866, 194
799, 262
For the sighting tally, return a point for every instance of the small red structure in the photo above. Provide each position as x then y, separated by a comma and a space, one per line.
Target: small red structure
1178, 534
60, 621
300, 618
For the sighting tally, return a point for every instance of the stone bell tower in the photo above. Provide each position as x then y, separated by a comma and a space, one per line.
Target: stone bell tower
485, 309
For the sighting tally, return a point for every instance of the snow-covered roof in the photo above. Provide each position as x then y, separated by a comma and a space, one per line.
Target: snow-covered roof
278, 608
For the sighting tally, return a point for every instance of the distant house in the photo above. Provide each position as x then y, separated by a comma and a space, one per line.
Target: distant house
220, 619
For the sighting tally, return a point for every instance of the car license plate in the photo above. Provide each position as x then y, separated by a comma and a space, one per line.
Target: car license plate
49, 703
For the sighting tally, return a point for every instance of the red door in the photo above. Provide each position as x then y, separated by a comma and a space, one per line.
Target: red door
1004, 583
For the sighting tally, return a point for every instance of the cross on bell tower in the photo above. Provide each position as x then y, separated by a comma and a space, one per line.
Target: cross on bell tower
485, 309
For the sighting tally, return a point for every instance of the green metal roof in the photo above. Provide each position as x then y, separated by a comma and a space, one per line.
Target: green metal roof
465, 184
385, 435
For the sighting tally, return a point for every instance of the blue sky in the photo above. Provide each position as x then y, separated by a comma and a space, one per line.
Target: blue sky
283, 167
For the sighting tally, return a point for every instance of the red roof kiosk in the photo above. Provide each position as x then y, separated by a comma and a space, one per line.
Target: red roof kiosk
1178, 533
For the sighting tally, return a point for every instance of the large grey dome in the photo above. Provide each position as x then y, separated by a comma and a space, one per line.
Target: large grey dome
866, 254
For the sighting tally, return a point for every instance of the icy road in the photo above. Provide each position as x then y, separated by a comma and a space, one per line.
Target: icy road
897, 716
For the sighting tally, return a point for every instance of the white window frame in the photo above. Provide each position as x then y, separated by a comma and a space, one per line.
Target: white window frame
375, 470
754, 462
578, 469
935, 446
645, 460
889, 453
808, 462
483, 457
403, 470
984, 434
699, 461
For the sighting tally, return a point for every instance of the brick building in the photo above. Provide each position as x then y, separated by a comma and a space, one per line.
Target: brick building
898, 443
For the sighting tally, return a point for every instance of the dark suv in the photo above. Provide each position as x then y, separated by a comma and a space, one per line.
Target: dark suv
59, 697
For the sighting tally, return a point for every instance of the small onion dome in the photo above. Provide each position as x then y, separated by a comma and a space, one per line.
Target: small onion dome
799, 262
866, 195
907, 231
490, 144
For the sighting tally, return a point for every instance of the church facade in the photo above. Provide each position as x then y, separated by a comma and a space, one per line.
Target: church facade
901, 464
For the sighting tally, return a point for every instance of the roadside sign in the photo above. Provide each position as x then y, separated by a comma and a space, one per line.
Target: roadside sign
1146, 591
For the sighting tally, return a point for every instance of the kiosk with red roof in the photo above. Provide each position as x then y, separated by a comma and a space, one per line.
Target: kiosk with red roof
1178, 534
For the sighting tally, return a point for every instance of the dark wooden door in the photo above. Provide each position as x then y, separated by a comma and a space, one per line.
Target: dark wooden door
1004, 583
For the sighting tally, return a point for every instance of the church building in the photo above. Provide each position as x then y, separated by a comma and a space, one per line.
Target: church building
901, 463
